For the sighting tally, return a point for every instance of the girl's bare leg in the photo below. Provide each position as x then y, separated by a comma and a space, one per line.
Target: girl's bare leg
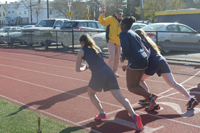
133, 78
124, 101
94, 99
143, 83
168, 77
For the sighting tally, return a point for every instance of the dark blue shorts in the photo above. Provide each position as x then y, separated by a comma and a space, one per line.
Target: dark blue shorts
139, 64
157, 64
103, 78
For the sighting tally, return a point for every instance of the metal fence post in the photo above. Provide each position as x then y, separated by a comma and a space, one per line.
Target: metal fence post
157, 37
73, 40
57, 40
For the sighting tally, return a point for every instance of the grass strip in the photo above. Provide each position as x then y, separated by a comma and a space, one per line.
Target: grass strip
25, 121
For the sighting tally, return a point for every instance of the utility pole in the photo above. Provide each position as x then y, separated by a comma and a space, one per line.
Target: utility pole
47, 8
31, 10
142, 9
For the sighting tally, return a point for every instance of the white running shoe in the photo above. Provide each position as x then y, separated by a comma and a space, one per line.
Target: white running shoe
116, 75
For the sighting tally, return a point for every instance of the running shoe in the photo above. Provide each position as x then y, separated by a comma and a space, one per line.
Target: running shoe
152, 102
116, 74
145, 101
192, 104
100, 116
156, 107
138, 123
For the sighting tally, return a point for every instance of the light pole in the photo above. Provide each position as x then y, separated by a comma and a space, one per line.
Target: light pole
88, 7
69, 4
142, 10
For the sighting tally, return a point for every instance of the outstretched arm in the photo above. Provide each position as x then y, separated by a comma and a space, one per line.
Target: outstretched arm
80, 67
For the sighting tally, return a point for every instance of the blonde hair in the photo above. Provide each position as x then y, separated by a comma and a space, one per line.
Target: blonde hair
89, 42
143, 35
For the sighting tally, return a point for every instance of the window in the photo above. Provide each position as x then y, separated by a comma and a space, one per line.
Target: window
24, 12
92, 25
84, 24
172, 28
12, 11
100, 26
58, 23
4, 14
0, 14
185, 29
8, 11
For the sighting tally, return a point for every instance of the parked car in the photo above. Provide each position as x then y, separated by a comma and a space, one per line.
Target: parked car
173, 36
43, 30
79, 27
82, 25
5, 31
100, 38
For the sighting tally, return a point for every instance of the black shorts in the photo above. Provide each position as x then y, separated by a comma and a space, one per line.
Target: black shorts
139, 64
157, 65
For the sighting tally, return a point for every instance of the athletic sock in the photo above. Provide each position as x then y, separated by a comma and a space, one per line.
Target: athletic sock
103, 113
133, 117
189, 98
150, 96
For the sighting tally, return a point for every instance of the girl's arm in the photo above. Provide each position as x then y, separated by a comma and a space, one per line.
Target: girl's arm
80, 67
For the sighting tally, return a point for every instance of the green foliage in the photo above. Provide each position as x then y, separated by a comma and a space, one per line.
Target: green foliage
152, 6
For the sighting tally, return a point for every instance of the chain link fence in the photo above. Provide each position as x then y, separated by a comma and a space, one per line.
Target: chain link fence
178, 48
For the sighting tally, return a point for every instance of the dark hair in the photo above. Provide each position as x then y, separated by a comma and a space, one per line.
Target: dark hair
89, 42
143, 35
128, 21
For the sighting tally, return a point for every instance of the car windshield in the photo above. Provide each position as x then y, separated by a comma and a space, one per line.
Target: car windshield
152, 27
101, 26
4, 29
69, 24
45, 23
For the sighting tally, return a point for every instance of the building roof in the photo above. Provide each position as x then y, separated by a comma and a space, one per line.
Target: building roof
178, 12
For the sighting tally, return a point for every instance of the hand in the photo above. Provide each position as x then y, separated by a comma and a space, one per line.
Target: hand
122, 60
103, 11
124, 68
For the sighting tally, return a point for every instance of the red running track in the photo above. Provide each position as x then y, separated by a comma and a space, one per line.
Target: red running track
46, 82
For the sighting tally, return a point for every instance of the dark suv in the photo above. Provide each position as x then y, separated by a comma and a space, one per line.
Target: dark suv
82, 25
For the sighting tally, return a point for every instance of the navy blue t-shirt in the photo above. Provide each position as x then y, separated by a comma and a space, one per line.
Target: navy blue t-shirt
131, 46
92, 59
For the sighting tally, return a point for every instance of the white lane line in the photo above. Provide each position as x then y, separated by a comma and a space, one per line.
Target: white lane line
55, 116
56, 90
186, 81
160, 117
44, 73
132, 125
38, 63
73, 68
51, 74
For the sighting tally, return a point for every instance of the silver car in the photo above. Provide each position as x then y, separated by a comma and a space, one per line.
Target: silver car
100, 38
173, 36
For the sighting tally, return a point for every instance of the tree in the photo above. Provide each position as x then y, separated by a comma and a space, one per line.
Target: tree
152, 6
37, 10
131, 11
175, 5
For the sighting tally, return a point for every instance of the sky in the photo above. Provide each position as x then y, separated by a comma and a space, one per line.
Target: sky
8, 1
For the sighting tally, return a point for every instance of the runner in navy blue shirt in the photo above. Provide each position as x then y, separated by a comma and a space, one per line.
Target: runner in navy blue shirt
158, 64
102, 78
135, 52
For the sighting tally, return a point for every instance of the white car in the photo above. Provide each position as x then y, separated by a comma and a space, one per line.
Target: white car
100, 38
173, 36
5, 31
